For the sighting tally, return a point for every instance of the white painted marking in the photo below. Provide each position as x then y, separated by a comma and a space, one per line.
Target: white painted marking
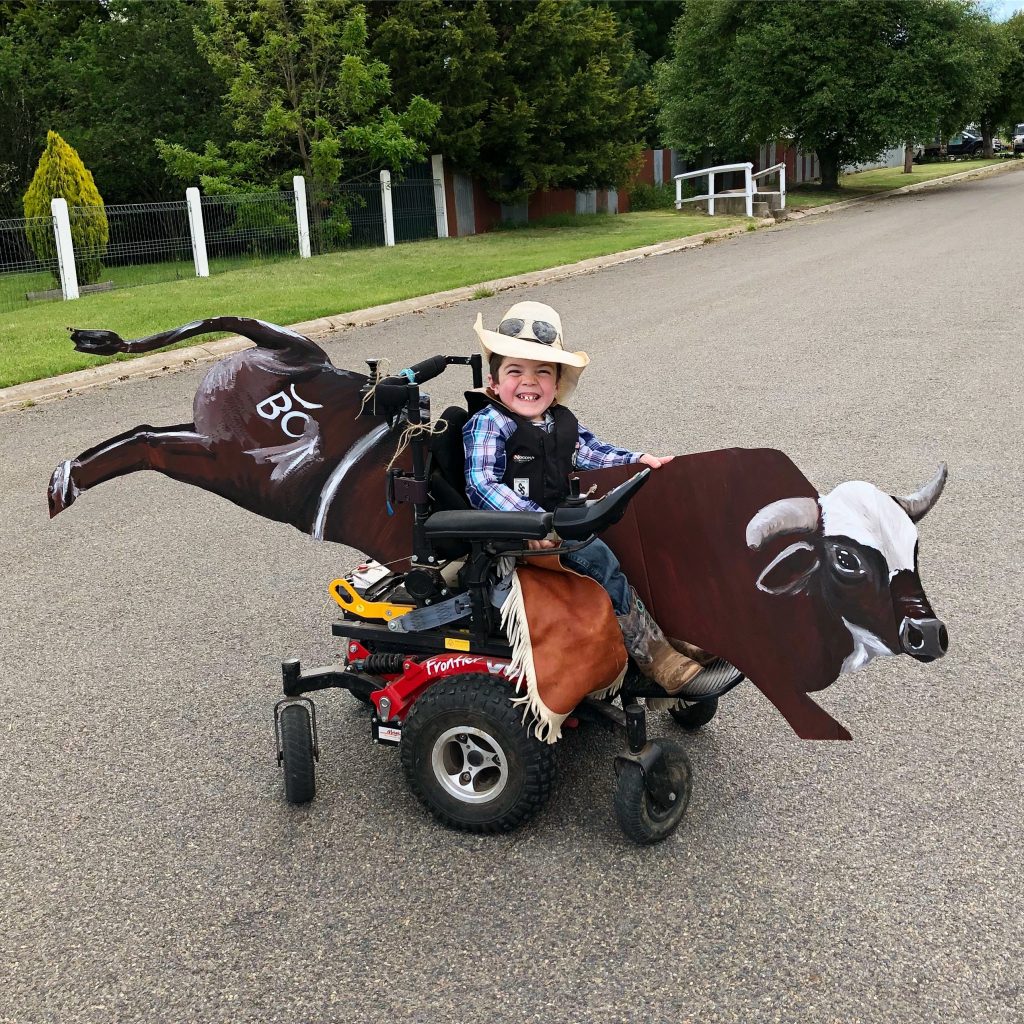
334, 481
866, 647
283, 330
860, 511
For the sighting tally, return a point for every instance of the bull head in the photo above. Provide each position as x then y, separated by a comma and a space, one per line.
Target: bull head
858, 547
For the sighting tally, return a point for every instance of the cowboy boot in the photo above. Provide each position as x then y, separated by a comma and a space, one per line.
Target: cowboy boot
652, 652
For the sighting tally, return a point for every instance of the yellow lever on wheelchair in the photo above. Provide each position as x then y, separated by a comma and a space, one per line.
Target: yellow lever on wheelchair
352, 601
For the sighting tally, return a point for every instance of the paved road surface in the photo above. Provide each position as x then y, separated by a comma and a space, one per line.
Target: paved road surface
150, 870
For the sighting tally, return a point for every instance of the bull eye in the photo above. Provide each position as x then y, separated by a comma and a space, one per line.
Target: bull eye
847, 562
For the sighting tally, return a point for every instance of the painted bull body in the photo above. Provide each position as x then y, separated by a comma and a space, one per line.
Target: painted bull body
276, 429
733, 550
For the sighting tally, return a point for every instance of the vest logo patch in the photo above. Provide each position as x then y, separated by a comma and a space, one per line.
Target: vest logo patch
521, 485
523, 458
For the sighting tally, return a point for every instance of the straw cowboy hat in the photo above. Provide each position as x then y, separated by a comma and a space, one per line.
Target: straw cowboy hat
532, 330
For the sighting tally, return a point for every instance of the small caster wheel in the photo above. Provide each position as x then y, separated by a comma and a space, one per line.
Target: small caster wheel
297, 754
693, 716
643, 818
469, 759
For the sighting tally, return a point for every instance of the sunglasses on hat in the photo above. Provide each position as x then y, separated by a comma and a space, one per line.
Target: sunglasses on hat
545, 333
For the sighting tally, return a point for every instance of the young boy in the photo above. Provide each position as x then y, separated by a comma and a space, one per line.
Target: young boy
521, 447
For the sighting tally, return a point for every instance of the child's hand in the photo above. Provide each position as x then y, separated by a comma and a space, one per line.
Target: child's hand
541, 545
654, 461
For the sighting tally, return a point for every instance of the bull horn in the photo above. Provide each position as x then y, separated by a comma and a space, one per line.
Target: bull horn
919, 504
788, 515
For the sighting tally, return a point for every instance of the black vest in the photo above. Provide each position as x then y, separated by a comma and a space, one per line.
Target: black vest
537, 461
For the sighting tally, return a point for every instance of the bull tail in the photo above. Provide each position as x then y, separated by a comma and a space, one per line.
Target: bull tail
281, 339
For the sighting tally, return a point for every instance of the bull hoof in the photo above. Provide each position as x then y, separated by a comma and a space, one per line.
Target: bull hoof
62, 491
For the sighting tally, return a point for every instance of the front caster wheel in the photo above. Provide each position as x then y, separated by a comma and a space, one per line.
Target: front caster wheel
470, 760
297, 754
641, 816
693, 716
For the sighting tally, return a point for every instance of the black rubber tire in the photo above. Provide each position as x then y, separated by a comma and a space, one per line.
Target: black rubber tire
479, 702
643, 820
297, 748
695, 716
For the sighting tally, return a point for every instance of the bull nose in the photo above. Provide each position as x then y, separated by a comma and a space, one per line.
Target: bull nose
924, 639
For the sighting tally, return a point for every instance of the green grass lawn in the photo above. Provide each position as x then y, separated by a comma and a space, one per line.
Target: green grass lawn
34, 342
865, 183
13, 287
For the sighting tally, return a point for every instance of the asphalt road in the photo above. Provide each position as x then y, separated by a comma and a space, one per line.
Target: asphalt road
151, 871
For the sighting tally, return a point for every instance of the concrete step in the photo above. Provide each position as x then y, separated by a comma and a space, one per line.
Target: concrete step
734, 205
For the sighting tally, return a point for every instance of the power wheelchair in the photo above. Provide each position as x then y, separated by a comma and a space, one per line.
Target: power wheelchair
425, 653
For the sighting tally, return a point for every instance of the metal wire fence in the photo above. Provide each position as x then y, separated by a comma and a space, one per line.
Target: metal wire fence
345, 216
148, 243
24, 273
249, 229
413, 202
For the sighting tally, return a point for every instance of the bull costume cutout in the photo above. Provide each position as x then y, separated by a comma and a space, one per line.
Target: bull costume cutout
733, 550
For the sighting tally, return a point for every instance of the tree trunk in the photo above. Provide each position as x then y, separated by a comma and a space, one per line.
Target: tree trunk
986, 138
828, 159
908, 158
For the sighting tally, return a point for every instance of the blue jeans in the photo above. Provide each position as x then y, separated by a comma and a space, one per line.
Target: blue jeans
597, 561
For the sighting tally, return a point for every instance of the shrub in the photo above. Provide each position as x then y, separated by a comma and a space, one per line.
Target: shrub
61, 174
652, 197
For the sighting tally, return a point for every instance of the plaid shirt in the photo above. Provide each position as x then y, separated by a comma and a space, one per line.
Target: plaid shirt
484, 437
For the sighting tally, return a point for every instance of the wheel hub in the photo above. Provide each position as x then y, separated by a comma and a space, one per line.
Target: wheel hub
469, 764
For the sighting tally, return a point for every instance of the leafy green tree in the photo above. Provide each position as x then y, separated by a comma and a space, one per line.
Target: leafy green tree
135, 76
845, 78
110, 77
448, 53
649, 23
539, 97
1004, 105
33, 34
304, 95
61, 174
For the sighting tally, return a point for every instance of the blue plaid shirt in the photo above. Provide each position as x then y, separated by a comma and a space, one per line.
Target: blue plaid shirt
484, 437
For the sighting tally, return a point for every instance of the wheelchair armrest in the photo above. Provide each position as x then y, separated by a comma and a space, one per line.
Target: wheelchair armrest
485, 525
574, 522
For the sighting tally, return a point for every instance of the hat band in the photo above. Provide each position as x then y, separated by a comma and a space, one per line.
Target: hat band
543, 332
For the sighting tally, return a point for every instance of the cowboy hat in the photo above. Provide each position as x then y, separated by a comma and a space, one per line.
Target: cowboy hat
533, 330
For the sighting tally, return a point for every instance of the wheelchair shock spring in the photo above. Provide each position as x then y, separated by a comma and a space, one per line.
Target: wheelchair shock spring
381, 664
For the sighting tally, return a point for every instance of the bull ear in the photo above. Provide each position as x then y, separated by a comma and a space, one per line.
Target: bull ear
790, 570
919, 504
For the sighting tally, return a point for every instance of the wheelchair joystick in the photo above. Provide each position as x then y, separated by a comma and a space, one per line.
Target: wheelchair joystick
575, 499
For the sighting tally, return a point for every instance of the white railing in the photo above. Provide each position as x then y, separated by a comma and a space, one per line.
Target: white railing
781, 168
709, 173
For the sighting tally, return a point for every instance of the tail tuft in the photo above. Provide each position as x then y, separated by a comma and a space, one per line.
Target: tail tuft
97, 343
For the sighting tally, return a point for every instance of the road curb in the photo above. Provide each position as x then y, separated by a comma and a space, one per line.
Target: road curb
25, 396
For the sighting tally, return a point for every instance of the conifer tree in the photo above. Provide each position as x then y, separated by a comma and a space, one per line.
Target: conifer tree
61, 174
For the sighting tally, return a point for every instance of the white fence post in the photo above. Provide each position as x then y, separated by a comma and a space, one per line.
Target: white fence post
65, 248
440, 206
748, 185
386, 208
301, 215
711, 194
679, 193
782, 186
195, 227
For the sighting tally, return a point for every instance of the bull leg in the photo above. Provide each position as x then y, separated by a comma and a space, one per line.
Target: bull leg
173, 451
808, 720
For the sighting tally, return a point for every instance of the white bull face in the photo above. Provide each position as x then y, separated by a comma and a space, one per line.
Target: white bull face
858, 551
